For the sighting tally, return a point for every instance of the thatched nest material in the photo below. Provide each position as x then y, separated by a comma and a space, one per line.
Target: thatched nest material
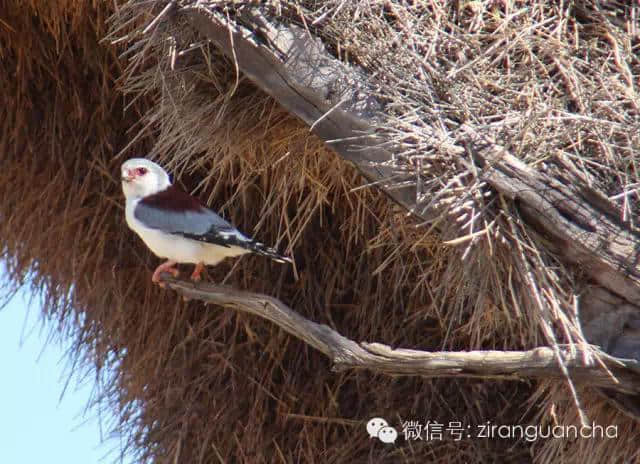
88, 85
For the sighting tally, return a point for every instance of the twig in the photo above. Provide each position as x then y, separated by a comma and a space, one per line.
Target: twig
158, 18
344, 353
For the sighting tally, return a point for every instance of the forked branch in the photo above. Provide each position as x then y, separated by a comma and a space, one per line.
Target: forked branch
344, 353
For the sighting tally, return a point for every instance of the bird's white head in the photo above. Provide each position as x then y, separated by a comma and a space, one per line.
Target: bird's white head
142, 177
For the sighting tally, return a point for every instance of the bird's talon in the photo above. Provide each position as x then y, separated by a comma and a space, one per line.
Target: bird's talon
195, 276
164, 267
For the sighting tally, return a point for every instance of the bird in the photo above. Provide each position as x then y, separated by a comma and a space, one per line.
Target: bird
176, 226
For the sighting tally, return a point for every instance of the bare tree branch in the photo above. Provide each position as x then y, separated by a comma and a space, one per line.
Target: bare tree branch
344, 353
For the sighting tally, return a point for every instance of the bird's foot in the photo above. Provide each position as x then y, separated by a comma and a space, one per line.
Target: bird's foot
195, 276
167, 266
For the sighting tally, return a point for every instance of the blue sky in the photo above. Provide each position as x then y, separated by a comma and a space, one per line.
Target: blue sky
37, 425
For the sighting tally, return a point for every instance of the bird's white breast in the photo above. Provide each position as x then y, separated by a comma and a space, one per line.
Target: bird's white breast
175, 247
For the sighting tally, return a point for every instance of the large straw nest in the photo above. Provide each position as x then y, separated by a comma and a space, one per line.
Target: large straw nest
202, 384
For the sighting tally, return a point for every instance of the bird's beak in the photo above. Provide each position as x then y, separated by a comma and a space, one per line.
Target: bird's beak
127, 177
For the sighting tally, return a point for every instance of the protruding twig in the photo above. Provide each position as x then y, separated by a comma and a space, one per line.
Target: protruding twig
158, 18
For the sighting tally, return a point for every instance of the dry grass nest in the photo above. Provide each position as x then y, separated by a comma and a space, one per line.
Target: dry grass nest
192, 383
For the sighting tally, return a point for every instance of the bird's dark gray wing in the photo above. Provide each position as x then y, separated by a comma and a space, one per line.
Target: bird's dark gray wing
176, 212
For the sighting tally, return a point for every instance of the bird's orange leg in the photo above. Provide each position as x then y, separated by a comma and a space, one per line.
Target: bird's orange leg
195, 276
167, 266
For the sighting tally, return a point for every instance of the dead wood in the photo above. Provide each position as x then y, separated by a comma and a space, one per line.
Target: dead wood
344, 353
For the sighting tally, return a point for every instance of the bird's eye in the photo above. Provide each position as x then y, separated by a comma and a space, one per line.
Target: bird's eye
141, 171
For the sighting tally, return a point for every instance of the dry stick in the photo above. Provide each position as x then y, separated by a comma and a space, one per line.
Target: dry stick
344, 353
158, 18
582, 225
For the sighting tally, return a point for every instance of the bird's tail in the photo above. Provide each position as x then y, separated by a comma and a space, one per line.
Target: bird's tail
264, 250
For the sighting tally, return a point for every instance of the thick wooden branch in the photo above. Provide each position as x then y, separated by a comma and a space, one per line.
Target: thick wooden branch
344, 353
292, 67
581, 225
